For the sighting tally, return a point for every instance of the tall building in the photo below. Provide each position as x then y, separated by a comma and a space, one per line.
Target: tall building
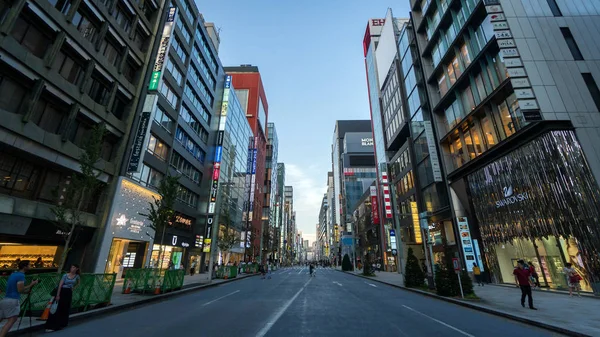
250, 91
64, 68
288, 223
323, 229
271, 237
332, 228
173, 134
230, 187
279, 211
341, 128
512, 87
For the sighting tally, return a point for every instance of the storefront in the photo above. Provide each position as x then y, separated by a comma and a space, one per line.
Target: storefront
175, 249
539, 203
128, 235
39, 241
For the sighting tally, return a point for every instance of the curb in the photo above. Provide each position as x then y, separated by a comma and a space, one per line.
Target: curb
481, 308
111, 309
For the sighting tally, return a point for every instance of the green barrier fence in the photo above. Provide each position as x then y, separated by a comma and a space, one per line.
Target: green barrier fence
146, 280
227, 272
93, 290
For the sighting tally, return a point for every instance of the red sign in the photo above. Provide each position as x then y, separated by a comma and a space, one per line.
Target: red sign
456, 264
374, 210
378, 22
216, 173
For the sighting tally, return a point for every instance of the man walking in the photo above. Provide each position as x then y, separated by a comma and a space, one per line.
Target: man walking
10, 304
522, 278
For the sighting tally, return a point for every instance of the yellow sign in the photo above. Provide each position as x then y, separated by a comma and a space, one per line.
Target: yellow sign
416, 226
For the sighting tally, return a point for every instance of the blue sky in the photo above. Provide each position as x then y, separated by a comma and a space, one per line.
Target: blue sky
311, 61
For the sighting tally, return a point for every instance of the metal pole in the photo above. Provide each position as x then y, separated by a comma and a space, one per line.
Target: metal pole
460, 285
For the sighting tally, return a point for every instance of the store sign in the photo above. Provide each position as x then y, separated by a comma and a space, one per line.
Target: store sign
433, 155
493, 8
507, 43
414, 210
503, 34
220, 136
218, 154
198, 242
497, 17
509, 52
520, 82
516, 72
125, 220
513, 62
491, 2
532, 115
500, 25
528, 104
163, 50
466, 242
142, 135
183, 220
510, 197
524, 93
374, 206
366, 141
387, 200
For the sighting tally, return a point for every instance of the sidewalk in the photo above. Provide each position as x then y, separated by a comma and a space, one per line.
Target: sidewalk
556, 310
121, 301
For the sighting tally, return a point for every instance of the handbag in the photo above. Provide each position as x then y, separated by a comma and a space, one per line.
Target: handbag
54, 307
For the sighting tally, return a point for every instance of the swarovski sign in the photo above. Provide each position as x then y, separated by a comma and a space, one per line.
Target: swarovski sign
511, 198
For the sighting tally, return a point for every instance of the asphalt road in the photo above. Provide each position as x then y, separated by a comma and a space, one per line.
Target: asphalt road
293, 304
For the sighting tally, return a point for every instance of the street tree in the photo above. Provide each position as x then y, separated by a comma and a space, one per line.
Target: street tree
72, 197
161, 213
228, 237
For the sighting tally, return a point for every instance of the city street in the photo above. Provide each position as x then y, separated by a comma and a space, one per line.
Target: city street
293, 304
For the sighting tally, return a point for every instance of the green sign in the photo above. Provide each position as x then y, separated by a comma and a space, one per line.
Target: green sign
154, 79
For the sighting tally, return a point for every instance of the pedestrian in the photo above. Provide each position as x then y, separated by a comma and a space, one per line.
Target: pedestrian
573, 278
534, 275
171, 265
522, 279
10, 305
261, 269
477, 273
64, 296
193, 268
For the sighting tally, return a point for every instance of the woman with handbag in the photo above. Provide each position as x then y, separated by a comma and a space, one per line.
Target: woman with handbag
64, 295
573, 279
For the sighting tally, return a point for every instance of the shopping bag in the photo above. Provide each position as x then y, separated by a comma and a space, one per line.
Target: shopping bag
53, 307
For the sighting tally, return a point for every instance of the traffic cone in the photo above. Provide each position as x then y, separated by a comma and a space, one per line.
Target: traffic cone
46, 312
157, 288
128, 288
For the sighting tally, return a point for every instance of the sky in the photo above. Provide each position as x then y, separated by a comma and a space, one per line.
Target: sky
311, 61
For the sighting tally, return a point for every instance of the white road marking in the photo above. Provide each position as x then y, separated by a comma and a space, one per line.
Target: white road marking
436, 320
222, 297
280, 312
339, 284
301, 270
372, 285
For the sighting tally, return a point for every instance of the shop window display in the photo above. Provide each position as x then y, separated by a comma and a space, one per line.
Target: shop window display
41, 257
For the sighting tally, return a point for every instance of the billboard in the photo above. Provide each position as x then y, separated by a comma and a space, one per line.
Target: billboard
163, 50
387, 48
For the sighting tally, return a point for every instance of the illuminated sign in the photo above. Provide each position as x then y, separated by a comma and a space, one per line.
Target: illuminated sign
163, 50
218, 154
374, 206
416, 224
228, 82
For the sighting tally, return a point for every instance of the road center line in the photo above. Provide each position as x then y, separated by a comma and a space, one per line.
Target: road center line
436, 320
280, 312
222, 297
372, 285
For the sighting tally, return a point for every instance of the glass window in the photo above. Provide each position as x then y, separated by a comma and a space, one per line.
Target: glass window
489, 131
147, 176
421, 148
99, 89
123, 17
157, 147
30, 35
442, 84
172, 68
592, 88
11, 94
554, 8
500, 68
130, 70
48, 115
456, 151
84, 24
162, 119
571, 43
451, 74
456, 67
505, 120
467, 100
465, 54
451, 119
111, 51
480, 87
169, 94
69, 66
176, 46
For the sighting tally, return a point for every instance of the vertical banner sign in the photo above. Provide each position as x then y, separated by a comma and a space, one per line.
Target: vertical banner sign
387, 201
374, 206
512, 61
466, 242
433, 155
253, 183
163, 50
142, 135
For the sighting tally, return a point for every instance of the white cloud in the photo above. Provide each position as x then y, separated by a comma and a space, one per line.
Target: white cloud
308, 194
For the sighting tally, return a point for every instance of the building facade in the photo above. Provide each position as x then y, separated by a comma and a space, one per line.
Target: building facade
66, 66
251, 93
271, 236
288, 221
173, 134
279, 211
323, 229
514, 98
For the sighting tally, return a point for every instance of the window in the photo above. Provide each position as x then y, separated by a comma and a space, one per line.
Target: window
468, 100
11, 94
187, 11
185, 167
80, 130
161, 118
489, 131
147, 176
99, 90
157, 147
190, 93
29, 34
195, 76
130, 71
48, 114
168, 93
17, 176
187, 197
84, 24
203, 66
174, 72
191, 120
111, 51
120, 106
457, 153
108, 146
593, 88
566, 32
442, 84
140, 40
176, 45
123, 17
69, 65
62, 6
190, 145
204, 43
505, 120
464, 50
554, 8
185, 33
451, 74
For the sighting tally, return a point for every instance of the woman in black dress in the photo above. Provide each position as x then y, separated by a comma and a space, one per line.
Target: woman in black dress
64, 295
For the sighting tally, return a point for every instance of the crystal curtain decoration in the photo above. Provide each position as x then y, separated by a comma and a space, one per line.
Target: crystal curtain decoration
542, 188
